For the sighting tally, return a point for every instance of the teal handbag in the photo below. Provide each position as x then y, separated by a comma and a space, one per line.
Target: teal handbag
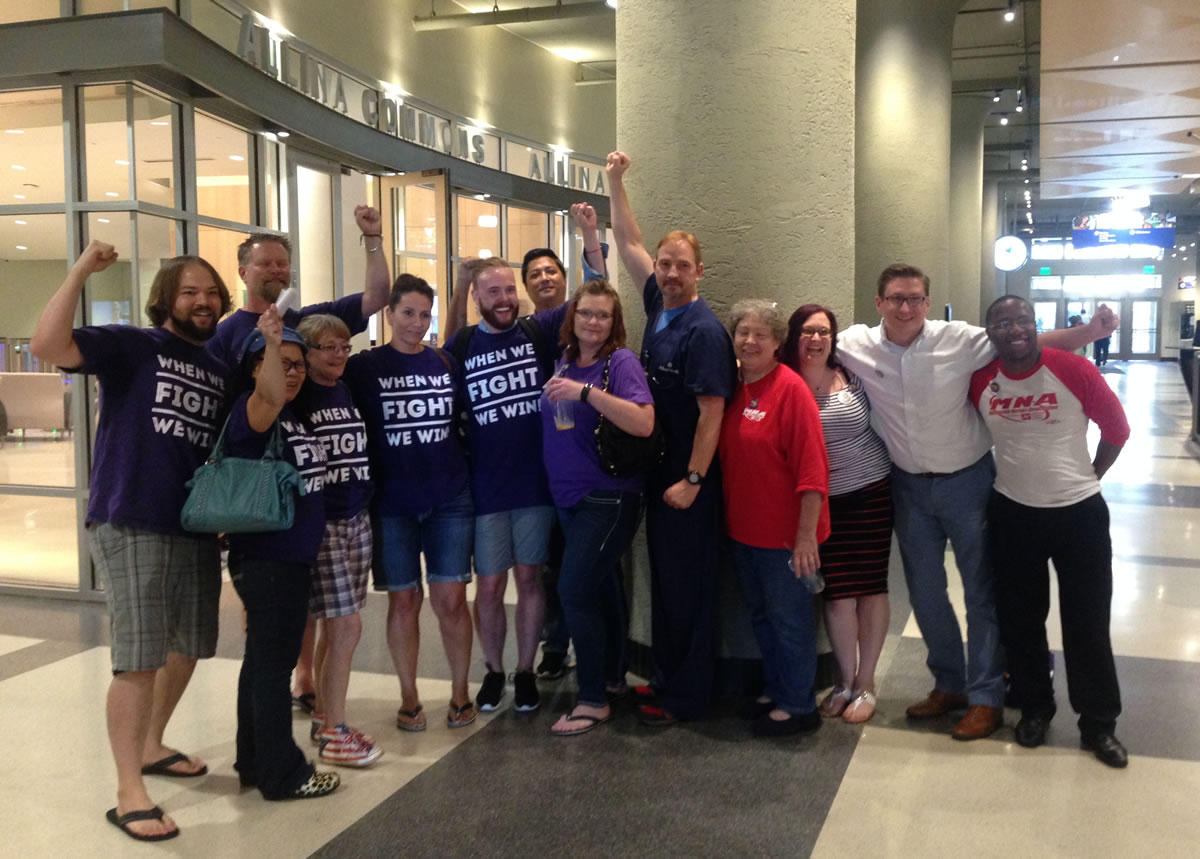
231, 495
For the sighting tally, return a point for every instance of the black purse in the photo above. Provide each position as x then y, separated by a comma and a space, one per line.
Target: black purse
622, 454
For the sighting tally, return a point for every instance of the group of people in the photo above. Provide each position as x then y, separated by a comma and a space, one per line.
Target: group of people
804, 444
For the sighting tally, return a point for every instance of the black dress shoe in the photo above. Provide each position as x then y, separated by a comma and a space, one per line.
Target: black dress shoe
1107, 748
1031, 731
805, 723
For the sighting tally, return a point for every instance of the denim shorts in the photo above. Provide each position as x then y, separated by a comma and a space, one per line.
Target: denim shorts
444, 534
520, 536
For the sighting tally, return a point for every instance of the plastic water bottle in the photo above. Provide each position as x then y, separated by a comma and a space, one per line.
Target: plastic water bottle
815, 583
564, 410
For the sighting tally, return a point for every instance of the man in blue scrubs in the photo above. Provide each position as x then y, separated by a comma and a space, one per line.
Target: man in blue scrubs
690, 364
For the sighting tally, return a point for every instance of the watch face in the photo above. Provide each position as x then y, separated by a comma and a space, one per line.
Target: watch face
694, 478
1011, 253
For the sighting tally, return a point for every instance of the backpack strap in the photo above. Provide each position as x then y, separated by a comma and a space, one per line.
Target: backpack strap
535, 335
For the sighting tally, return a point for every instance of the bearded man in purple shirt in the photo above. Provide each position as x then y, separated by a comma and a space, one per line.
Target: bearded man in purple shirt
161, 398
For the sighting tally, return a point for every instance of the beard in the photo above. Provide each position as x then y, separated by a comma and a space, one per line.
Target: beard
493, 321
185, 327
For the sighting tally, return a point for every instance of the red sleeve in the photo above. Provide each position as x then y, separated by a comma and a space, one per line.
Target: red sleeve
1087, 384
806, 451
980, 380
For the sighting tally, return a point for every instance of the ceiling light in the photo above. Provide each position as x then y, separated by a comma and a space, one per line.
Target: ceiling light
159, 122
18, 167
1025, 167
488, 222
14, 131
1026, 181
104, 220
1116, 58
237, 157
1010, 14
281, 134
996, 97
24, 248
19, 221
18, 196
484, 253
121, 162
611, 4
1004, 119
111, 194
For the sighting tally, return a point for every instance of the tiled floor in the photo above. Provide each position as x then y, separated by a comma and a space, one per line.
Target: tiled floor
506, 786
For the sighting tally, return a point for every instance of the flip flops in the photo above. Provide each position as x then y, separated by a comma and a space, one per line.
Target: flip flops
124, 820
163, 767
411, 720
460, 716
590, 724
306, 702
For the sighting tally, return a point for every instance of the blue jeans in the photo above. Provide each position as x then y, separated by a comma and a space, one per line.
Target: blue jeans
930, 510
597, 531
785, 626
275, 596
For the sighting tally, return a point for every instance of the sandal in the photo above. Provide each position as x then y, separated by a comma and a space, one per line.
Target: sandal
861, 708
460, 715
833, 704
411, 720
590, 723
305, 702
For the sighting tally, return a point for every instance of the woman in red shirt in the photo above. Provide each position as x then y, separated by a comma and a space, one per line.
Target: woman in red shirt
775, 478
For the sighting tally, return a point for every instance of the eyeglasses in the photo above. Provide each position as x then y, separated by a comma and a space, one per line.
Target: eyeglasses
1006, 324
598, 315
816, 331
913, 301
335, 348
294, 366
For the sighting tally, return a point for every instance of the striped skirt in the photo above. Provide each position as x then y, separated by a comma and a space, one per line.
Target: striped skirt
854, 560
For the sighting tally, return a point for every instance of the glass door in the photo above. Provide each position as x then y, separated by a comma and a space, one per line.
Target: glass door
313, 188
416, 233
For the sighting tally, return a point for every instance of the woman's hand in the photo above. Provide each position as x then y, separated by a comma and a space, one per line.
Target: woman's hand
562, 388
805, 558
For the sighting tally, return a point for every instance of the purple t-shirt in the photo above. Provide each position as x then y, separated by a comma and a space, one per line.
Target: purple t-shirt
226, 344
298, 544
502, 383
408, 404
570, 455
337, 424
161, 399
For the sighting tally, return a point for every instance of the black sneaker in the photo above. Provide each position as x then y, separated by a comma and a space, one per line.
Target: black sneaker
553, 665
525, 692
491, 692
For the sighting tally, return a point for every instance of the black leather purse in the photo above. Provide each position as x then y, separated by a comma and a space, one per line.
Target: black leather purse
623, 454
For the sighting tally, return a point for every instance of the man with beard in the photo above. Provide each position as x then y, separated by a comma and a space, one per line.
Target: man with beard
689, 360
161, 395
265, 266
1046, 506
504, 361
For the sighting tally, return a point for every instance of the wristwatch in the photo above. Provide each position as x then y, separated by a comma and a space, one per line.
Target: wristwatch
695, 478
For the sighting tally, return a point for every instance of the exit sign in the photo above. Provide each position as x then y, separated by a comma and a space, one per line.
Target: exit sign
1044, 270
1147, 269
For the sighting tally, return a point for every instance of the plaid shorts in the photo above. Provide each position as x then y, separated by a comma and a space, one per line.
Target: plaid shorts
340, 578
163, 593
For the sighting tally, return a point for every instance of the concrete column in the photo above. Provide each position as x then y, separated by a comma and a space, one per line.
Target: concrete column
739, 119
967, 114
990, 231
902, 143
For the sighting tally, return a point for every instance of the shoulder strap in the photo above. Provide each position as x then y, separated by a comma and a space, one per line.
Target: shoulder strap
541, 348
462, 343
441, 353
604, 379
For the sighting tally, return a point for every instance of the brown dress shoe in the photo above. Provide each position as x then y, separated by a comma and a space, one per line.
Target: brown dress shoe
937, 703
979, 722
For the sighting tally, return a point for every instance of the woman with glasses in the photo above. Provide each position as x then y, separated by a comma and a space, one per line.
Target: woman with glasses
854, 560
597, 377
272, 571
340, 577
775, 478
406, 393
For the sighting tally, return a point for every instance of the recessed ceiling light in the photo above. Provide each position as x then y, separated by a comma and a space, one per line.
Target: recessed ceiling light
159, 122
14, 131
18, 167
121, 162
1004, 120
104, 220
1116, 58
18, 196
19, 221
282, 134
237, 158
24, 248
111, 194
